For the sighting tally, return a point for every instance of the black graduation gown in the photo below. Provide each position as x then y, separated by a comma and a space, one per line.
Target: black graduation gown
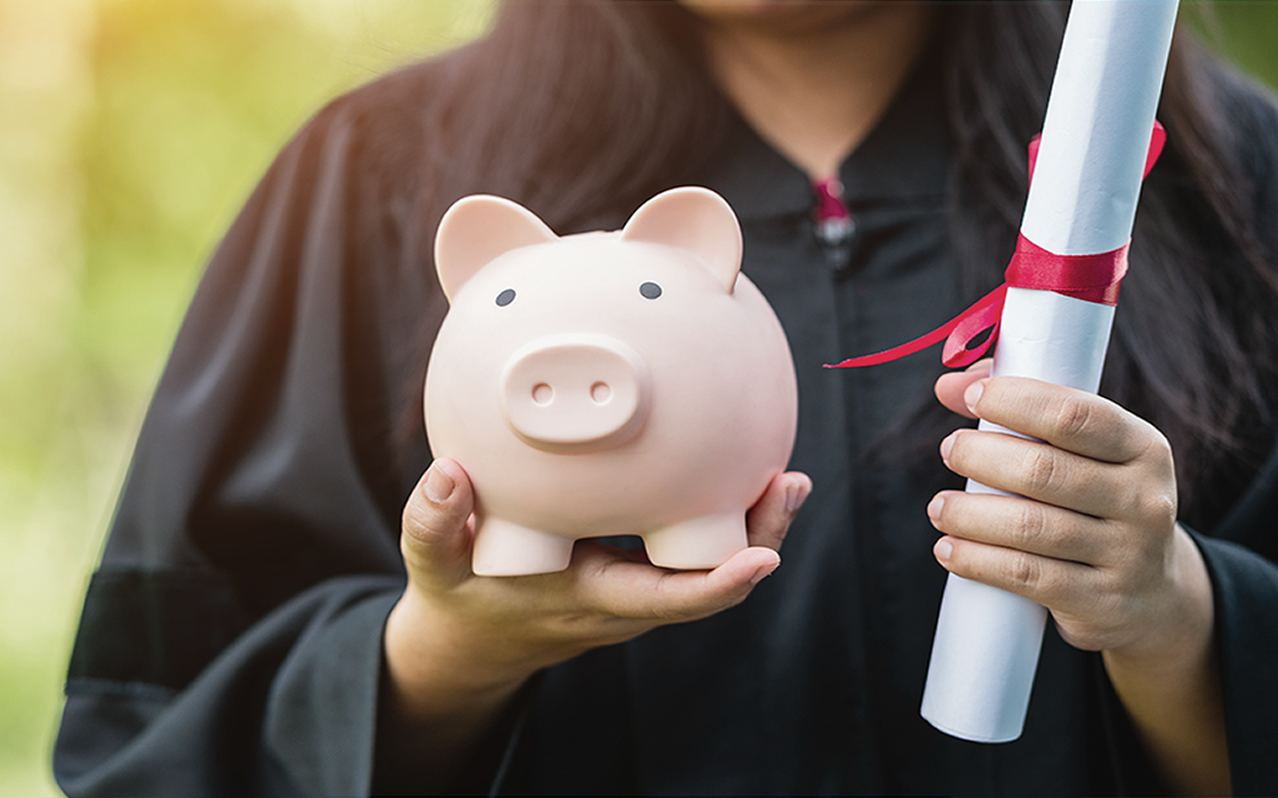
230, 642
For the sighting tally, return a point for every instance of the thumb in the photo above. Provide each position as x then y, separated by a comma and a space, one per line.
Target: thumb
769, 519
436, 539
951, 386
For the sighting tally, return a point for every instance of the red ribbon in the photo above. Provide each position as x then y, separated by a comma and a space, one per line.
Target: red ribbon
1094, 278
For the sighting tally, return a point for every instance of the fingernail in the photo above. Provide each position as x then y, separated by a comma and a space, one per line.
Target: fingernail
763, 572
796, 493
439, 486
934, 507
943, 550
947, 445
973, 394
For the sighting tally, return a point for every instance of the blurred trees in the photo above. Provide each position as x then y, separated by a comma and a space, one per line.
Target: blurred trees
130, 133
1245, 31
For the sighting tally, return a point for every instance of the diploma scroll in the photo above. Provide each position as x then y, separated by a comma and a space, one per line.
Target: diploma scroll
1082, 202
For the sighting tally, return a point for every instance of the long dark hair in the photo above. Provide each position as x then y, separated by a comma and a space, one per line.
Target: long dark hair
622, 87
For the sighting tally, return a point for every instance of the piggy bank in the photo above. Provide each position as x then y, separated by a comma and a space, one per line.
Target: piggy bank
607, 383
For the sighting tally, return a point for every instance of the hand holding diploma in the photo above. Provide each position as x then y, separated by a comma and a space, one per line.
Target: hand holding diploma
1091, 533
1092, 536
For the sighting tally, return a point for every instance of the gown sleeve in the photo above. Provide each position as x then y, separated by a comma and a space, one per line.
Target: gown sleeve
1241, 550
230, 642
1245, 589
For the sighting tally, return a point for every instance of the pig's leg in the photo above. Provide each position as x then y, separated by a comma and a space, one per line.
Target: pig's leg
503, 548
704, 542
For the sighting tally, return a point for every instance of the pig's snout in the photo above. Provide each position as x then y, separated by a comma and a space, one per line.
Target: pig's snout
575, 390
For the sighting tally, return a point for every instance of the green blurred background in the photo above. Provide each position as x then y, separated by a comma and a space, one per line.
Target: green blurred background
130, 132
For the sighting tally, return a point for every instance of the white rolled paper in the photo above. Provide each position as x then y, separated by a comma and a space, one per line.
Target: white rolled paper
1082, 202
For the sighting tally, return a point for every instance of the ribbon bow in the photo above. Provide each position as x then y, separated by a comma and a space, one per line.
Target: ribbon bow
1094, 278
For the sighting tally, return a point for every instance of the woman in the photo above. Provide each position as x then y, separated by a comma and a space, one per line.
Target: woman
255, 629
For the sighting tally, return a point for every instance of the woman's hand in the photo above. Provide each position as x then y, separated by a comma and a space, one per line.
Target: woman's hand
458, 645
1095, 537
1091, 535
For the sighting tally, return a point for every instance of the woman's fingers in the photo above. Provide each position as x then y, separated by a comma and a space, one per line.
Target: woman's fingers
1142, 492
769, 519
1067, 587
619, 586
1040, 471
1017, 523
637, 591
1073, 420
436, 539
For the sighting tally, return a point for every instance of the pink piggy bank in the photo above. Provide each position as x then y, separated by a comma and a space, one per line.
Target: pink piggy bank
620, 383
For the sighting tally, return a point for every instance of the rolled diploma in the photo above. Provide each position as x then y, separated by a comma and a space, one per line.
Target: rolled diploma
1082, 201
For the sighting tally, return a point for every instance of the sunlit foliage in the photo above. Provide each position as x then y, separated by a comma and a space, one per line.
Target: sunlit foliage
130, 133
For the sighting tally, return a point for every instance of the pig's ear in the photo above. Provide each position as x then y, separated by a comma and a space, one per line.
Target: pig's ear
695, 219
477, 229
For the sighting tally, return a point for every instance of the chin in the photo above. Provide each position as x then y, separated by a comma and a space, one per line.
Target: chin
792, 15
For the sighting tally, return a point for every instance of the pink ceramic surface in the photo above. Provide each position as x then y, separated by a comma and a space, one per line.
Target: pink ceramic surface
621, 383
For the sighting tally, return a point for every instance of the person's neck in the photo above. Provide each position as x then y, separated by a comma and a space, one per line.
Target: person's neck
814, 94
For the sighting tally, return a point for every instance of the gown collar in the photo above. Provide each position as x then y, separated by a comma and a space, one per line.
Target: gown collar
905, 156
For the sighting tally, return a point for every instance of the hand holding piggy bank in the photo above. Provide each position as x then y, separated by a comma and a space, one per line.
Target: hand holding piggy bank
621, 383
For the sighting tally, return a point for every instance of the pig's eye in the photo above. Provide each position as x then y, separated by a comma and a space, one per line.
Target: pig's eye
650, 290
508, 296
